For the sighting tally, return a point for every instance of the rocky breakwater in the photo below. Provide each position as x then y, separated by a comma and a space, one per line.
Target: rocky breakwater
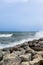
28, 53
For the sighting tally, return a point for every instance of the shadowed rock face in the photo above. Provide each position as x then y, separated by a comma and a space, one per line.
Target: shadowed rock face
41, 62
29, 53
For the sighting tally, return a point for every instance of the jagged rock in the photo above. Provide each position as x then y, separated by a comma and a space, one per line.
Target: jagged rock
25, 57
19, 52
29, 50
36, 60
12, 59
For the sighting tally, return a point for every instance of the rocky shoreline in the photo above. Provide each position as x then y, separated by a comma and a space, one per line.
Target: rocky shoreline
28, 53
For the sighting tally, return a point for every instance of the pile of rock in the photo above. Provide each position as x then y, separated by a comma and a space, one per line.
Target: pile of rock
29, 53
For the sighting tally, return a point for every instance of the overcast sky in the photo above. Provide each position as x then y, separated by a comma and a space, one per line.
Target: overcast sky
21, 15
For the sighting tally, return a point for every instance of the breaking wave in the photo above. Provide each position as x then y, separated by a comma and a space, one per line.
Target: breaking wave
39, 34
5, 35
36, 36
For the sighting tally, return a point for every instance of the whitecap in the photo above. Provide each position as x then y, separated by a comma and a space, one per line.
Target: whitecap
5, 35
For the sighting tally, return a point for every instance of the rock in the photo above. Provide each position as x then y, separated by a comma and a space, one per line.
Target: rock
24, 44
29, 53
40, 53
1, 56
29, 50
1, 63
18, 52
25, 57
8, 56
12, 59
36, 60
30, 44
21, 51
41, 42
41, 62
26, 47
5, 53
41, 39
25, 63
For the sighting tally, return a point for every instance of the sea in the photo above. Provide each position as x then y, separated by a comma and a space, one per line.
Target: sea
9, 39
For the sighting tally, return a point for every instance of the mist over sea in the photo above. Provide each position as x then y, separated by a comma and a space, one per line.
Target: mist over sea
9, 39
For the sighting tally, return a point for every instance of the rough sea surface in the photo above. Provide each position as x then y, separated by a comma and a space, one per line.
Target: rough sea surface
9, 39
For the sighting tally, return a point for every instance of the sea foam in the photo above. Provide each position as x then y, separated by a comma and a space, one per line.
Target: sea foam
5, 35
37, 36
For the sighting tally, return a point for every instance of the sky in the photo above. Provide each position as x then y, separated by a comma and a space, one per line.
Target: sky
21, 15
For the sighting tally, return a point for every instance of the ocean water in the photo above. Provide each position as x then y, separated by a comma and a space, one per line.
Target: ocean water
9, 39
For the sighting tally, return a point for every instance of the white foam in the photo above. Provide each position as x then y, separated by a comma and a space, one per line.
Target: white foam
16, 43
5, 35
37, 36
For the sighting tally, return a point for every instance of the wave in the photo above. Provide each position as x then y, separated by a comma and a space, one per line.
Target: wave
15, 43
37, 36
5, 35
